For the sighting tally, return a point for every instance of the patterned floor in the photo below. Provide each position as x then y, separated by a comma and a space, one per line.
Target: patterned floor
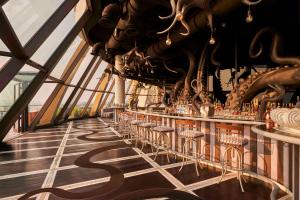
88, 159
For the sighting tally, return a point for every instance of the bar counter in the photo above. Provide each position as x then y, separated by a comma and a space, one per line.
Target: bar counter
268, 153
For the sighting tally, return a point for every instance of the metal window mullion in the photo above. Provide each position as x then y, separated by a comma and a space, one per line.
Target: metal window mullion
25, 98
64, 109
13, 66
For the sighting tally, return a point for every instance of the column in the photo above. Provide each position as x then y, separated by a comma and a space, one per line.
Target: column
119, 82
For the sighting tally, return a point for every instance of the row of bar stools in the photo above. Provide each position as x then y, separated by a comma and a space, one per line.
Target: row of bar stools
231, 137
191, 137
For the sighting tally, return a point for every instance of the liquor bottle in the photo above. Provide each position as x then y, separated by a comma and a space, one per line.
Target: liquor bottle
269, 122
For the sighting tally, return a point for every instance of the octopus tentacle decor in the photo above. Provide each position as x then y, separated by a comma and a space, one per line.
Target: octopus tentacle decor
179, 10
276, 80
276, 93
187, 81
256, 84
200, 87
256, 48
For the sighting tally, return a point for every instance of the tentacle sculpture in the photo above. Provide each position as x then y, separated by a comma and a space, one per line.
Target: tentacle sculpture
274, 94
256, 48
180, 9
187, 81
200, 87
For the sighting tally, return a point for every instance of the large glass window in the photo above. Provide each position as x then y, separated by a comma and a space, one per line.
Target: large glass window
61, 65
3, 46
3, 61
87, 59
95, 79
39, 99
77, 110
27, 16
15, 88
53, 41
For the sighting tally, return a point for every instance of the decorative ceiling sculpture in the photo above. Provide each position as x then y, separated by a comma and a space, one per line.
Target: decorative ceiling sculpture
272, 83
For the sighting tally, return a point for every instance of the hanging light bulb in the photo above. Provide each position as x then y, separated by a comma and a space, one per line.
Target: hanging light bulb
152, 71
139, 75
168, 40
212, 40
249, 17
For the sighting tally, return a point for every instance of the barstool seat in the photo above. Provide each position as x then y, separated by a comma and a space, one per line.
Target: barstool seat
147, 125
234, 141
191, 134
136, 122
163, 129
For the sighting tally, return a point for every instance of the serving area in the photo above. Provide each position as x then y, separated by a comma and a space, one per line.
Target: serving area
267, 154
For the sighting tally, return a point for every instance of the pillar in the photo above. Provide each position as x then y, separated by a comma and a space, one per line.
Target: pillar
119, 82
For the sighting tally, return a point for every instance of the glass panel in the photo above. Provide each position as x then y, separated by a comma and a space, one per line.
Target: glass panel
53, 41
66, 96
81, 104
82, 68
97, 75
15, 88
3, 47
39, 99
3, 61
27, 16
61, 65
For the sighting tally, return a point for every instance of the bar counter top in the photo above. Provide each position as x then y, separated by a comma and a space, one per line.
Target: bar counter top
208, 119
292, 138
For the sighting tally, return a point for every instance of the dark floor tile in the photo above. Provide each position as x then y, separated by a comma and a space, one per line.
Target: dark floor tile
115, 153
22, 146
140, 182
88, 147
21, 185
230, 190
27, 154
75, 175
188, 174
26, 166
37, 139
162, 159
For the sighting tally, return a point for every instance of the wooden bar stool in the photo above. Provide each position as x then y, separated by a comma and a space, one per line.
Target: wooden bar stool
163, 140
191, 136
232, 138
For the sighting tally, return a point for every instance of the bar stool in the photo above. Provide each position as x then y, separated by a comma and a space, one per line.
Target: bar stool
124, 124
135, 132
163, 140
232, 138
190, 136
146, 130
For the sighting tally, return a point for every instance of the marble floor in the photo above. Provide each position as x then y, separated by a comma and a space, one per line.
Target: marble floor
88, 159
